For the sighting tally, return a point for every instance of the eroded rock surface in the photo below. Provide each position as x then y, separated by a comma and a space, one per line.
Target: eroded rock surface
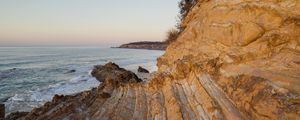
236, 59
114, 72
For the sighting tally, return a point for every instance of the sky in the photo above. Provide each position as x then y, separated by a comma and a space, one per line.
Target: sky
84, 22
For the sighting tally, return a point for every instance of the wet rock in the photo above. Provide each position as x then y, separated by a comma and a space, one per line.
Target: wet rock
16, 115
2, 111
70, 71
57, 98
105, 95
114, 72
142, 70
4, 99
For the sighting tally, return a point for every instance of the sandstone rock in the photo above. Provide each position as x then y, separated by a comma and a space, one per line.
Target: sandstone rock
254, 48
235, 60
142, 70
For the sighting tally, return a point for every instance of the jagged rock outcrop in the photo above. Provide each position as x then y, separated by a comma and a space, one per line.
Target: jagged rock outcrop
236, 59
142, 70
114, 72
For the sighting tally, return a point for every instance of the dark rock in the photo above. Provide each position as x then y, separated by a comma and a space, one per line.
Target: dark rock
71, 71
16, 115
142, 70
57, 98
105, 95
112, 73
2, 111
4, 99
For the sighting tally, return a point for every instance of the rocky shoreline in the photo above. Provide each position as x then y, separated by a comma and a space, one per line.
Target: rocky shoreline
111, 76
145, 45
235, 60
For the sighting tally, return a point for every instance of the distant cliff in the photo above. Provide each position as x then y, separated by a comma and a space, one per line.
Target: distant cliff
145, 45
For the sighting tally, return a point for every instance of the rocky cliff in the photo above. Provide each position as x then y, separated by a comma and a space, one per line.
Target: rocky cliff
236, 59
145, 45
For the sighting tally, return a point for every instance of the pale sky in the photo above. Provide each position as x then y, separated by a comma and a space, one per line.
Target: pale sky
84, 22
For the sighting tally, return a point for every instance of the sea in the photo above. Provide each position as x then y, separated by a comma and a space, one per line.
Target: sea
31, 76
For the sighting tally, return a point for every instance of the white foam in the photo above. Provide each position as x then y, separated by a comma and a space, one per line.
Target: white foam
25, 102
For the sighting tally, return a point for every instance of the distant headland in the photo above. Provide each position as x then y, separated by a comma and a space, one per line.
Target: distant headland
145, 45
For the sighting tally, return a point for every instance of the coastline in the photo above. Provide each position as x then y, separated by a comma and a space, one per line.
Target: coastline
100, 73
144, 45
70, 78
232, 65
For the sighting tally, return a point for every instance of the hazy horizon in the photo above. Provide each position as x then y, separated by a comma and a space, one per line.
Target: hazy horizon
84, 23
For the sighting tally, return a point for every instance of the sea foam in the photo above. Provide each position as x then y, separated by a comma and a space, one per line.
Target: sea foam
25, 102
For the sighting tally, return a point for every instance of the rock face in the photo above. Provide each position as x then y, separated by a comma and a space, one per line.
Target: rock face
236, 59
245, 54
145, 45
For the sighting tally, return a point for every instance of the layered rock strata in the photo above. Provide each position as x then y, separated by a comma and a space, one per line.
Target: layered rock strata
235, 60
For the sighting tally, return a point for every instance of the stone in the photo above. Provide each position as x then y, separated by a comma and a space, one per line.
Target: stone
114, 72
16, 115
142, 70
2, 111
71, 71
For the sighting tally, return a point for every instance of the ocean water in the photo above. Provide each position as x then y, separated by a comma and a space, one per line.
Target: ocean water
31, 76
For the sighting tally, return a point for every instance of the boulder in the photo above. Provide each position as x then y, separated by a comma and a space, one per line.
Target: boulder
142, 70
70, 71
112, 71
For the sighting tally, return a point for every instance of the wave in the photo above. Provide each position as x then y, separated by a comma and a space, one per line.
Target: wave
31, 99
29, 80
